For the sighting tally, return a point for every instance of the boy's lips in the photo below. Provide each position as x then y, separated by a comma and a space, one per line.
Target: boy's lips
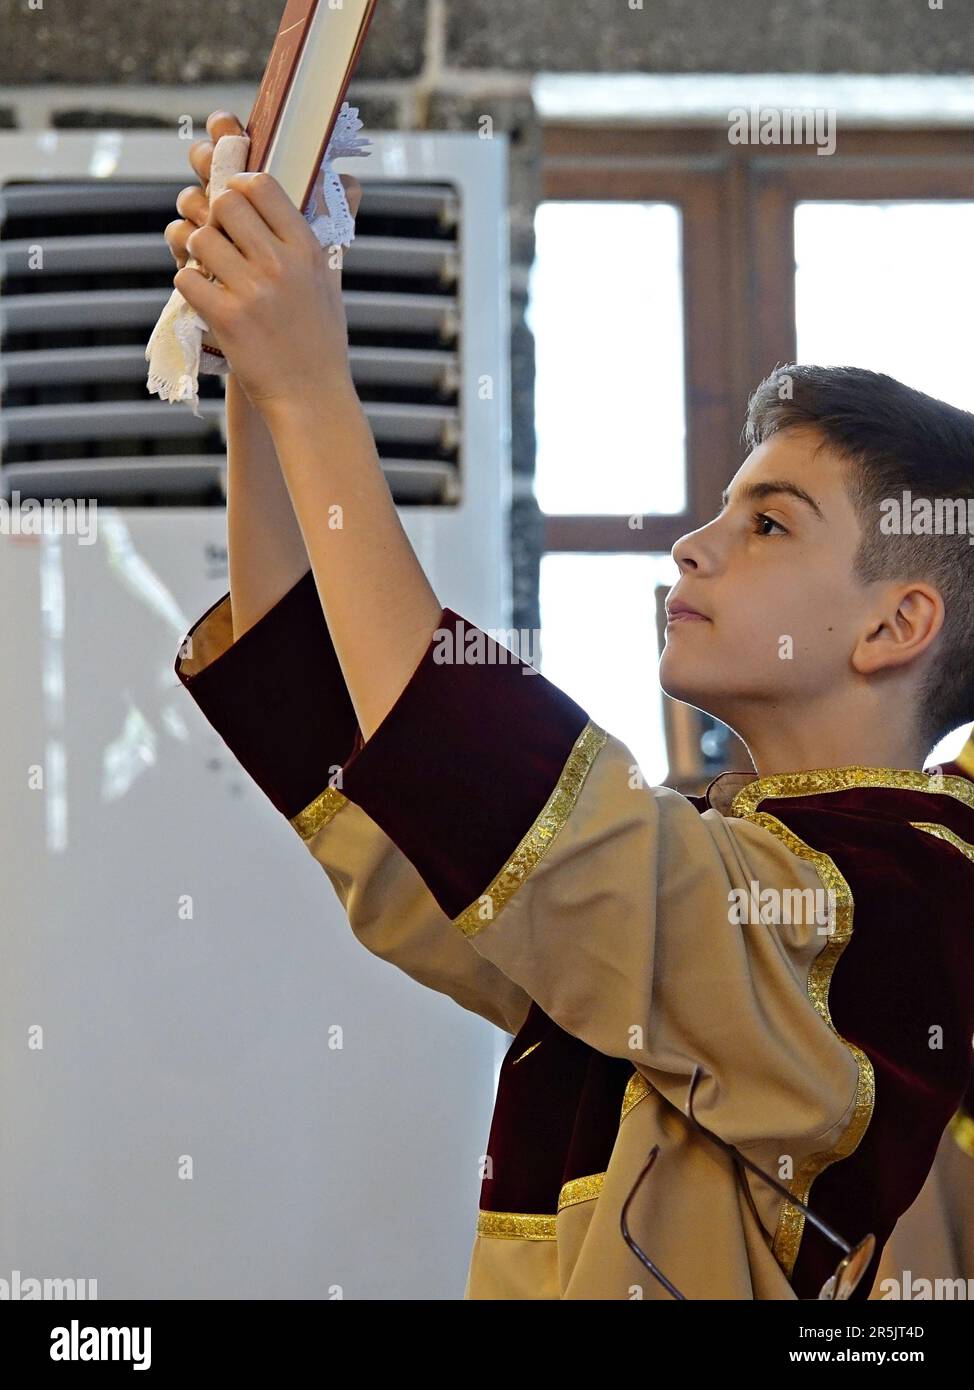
679, 612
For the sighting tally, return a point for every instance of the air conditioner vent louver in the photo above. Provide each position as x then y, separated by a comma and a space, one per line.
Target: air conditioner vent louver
84, 273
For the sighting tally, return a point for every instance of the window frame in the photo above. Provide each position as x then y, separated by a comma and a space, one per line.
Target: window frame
737, 207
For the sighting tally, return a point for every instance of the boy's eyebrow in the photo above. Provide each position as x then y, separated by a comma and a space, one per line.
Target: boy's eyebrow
758, 492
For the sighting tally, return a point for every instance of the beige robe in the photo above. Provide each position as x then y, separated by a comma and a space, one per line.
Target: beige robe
614, 914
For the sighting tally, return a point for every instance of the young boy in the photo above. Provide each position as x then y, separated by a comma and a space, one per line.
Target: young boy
790, 942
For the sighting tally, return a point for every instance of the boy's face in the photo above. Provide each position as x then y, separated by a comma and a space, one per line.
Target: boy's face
774, 580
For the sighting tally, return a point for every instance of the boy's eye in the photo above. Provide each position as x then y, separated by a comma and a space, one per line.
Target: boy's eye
761, 518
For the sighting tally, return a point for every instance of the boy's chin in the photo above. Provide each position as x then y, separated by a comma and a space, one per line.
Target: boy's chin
675, 680
680, 685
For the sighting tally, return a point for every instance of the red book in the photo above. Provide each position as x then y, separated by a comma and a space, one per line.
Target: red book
302, 90
301, 93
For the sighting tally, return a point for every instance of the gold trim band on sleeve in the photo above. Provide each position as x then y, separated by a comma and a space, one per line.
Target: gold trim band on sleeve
516, 1225
535, 843
580, 1190
319, 812
521, 1225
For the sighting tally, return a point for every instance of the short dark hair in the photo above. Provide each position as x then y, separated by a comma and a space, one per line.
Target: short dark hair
894, 439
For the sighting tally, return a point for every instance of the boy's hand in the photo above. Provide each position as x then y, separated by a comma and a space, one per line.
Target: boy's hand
192, 203
277, 311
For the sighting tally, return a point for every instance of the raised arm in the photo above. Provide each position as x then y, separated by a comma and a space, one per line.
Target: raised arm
266, 550
379, 605
264, 542
277, 313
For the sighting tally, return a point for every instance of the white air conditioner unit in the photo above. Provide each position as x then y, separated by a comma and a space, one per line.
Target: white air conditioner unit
165, 1038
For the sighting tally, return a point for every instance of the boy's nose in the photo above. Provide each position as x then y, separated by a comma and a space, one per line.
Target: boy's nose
684, 552
702, 550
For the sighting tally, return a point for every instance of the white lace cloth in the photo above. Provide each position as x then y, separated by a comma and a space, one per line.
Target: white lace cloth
175, 351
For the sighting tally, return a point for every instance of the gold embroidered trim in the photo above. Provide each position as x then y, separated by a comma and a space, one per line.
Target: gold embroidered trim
943, 832
535, 843
319, 812
839, 779
520, 1225
527, 1052
580, 1190
962, 1128
791, 1221
516, 1225
965, 758
637, 1089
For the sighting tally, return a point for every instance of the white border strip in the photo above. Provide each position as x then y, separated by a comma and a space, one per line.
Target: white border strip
899, 99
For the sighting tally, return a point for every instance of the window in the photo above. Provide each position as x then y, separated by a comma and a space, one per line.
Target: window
888, 285
604, 607
606, 311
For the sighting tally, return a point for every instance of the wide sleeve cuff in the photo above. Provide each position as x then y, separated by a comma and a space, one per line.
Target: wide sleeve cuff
276, 696
456, 774
464, 763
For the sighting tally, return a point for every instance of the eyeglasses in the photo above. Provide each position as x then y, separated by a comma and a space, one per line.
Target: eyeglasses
855, 1258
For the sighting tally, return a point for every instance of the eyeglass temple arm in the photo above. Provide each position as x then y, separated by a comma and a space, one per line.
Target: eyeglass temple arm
654, 1270
778, 1186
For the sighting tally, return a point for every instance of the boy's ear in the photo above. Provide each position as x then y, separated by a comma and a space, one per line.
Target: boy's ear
904, 626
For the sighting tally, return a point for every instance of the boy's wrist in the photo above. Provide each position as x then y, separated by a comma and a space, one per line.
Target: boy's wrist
316, 403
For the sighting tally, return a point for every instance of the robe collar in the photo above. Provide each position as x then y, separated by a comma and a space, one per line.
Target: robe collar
740, 793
